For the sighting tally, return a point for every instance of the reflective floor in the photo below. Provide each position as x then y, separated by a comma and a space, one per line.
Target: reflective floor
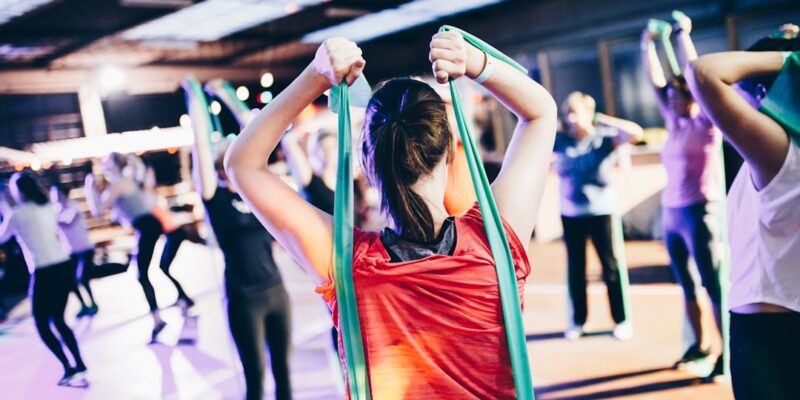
195, 358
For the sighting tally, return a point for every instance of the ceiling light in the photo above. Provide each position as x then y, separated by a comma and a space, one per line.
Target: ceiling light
267, 79
215, 107
242, 93
111, 78
185, 120
406, 16
214, 19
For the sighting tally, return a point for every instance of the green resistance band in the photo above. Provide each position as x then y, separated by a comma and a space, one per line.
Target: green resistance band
506, 276
227, 94
782, 102
618, 247
664, 29
195, 94
357, 377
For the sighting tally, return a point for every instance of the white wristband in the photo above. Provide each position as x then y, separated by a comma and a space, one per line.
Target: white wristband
487, 70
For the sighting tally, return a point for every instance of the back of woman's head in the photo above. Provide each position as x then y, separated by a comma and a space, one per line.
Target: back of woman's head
406, 136
758, 86
28, 188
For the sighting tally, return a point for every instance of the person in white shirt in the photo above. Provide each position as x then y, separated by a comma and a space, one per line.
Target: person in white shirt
34, 223
74, 233
763, 213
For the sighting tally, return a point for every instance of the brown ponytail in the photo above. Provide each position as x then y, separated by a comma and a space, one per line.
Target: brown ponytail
406, 136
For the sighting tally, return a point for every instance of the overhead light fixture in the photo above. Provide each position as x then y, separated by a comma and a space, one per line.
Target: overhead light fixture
215, 107
10, 9
267, 79
214, 19
111, 78
265, 97
406, 16
185, 121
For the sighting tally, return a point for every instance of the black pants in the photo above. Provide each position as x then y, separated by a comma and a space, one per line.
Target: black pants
83, 263
691, 231
576, 231
50, 289
765, 349
148, 230
171, 246
256, 318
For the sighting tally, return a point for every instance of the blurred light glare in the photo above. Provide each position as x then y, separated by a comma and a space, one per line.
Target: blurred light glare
267, 79
215, 107
265, 97
231, 136
216, 137
36, 165
242, 93
185, 121
291, 8
112, 78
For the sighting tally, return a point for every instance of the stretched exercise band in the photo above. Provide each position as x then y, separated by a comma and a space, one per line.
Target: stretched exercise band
664, 29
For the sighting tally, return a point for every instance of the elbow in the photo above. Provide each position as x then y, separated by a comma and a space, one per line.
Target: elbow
699, 73
545, 109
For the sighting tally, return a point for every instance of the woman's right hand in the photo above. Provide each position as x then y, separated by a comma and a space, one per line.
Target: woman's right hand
338, 59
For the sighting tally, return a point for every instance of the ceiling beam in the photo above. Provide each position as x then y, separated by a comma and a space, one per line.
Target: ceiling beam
147, 79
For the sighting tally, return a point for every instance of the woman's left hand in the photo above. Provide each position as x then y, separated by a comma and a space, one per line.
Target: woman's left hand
452, 57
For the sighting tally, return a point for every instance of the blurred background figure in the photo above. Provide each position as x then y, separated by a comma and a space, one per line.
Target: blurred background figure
34, 222
691, 157
74, 232
585, 159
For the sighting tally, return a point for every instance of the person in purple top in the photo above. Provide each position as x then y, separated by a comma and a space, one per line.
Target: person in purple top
691, 157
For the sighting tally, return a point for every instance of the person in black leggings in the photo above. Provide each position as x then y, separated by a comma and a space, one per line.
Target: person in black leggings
34, 223
258, 305
126, 197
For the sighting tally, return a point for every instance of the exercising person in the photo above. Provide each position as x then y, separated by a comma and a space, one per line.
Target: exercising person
586, 154
127, 198
763, 212
691, 157
74, 232
258, 305
33, 221
429, 301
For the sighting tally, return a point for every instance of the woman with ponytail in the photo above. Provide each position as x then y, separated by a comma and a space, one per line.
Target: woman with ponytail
428, 296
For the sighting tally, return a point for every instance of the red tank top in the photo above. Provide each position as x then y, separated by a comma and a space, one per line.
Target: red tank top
433, 328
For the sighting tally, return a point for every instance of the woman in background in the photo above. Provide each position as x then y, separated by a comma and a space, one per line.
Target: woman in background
691, 157
34, 223
258, 305
585, 162
763, 212
74, 233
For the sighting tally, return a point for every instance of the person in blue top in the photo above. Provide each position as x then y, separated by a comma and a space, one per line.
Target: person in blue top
585, 158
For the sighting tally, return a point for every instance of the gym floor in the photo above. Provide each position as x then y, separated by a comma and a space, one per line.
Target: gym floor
195, 358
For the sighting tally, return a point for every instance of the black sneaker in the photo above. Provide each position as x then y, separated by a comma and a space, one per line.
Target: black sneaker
68, 374
693, 353
157, 328
717, 374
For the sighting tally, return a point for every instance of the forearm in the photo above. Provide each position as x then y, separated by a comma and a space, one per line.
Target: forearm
729, 67
631, 131
252, 147
686, 50
652, 64
296, 159
203, 171
92, 200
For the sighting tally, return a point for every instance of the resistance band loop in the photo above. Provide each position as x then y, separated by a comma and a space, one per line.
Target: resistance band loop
198, 96
782, 102
357, 378
506, 276
664, 29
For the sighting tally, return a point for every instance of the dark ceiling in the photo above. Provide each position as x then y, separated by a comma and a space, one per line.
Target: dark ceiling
82, 34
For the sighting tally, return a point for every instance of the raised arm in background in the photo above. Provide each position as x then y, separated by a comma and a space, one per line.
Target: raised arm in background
297, 160
760, 140
298, 226
203, 170
627, 131
520, 184
686, 51
653, 68
223, 90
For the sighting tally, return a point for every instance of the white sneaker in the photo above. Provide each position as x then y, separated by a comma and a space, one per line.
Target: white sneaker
574, 332
623, 331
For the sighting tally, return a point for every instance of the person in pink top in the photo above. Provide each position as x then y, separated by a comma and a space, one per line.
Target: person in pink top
691, 159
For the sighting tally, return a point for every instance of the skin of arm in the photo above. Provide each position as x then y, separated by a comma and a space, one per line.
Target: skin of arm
627, 131
653, 68
296, 159
99, 203
520, 184
297, 226
761, 141
203, 172
686, 50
